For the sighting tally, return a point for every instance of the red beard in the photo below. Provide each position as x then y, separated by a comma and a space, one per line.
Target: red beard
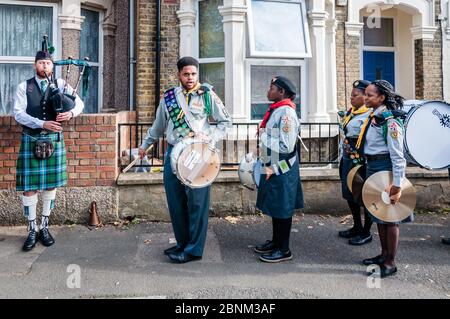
41, 74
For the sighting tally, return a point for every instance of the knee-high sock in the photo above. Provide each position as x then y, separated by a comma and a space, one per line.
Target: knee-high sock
48, 200
29, 210
283, 231
356, 213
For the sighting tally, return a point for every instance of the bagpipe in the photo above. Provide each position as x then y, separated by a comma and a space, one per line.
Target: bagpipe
65, 101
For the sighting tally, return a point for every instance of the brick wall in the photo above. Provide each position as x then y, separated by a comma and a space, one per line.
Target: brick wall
347, 59
91, 143
146, 46
428, 65
341, 17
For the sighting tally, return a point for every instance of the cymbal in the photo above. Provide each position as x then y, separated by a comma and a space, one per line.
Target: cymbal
351, 177
375, 196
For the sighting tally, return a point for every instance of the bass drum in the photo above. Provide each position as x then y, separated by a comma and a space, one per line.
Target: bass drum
195, 162
250, 171
427, 133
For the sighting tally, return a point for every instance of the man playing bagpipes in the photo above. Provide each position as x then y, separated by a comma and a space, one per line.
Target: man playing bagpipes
41, 105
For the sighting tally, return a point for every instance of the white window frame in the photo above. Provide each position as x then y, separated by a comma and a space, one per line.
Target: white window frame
98, 64
5, 59
255, 53
274, 62
381, 48
197, 40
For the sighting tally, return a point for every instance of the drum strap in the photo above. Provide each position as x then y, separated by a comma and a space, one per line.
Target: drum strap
179, 122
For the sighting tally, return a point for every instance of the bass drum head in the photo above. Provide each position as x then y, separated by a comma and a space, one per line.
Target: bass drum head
198, 165
408, 105
176, 151
427, 135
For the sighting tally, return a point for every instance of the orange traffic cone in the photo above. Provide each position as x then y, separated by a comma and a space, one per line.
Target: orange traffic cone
94, 219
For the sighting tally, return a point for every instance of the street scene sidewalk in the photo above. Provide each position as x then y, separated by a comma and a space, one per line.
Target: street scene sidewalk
127, 261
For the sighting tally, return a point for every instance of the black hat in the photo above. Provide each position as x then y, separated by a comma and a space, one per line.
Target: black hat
43, 55
361, 84
187, 61
284, 83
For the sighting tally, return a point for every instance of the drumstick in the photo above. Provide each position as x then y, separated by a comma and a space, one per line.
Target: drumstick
136, 160
303, 144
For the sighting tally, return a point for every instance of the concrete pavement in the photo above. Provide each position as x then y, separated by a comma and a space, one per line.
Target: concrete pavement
127, 262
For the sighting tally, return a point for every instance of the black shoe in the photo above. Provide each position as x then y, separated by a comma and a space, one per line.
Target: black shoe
360, 240
349, 233
383, 271
446, 241
171, 250
31, 240
183, 257
265, 248
378, 260
276, 256
45, 237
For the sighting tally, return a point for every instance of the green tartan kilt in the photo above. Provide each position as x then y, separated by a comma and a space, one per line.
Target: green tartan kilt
39, 174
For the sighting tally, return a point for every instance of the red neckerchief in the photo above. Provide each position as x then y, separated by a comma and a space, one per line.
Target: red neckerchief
272, 107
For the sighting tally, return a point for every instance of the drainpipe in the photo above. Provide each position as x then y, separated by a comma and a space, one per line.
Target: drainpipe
158, 53
132, 63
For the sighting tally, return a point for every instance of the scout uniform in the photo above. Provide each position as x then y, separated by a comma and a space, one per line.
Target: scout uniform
32, 173
179, 113
350, 130
383, 148
281, 194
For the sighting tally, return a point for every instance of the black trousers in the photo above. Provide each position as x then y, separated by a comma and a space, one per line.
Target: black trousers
281, 232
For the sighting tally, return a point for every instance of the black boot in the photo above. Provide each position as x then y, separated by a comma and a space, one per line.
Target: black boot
45, 237
31, 240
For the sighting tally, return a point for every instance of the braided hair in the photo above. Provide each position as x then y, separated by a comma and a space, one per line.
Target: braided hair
392, 100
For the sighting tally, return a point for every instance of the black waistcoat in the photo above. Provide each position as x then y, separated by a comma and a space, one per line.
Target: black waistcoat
34, 108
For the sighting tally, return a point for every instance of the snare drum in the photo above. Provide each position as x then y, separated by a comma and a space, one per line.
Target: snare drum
250, 171
427, 134
195, 162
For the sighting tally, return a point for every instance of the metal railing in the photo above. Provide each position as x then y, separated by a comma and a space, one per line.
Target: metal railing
321, 140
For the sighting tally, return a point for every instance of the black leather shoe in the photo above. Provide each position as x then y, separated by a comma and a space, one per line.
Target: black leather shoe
265, 248
383, 271
446, 241
276, 256
171, 250
378, 260
183, 257
349, 233
31, 240
360, 240
45, 237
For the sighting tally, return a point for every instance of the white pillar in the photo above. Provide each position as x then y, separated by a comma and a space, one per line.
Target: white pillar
187, 16
331, 67
317, 111
70, 17
233, 12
